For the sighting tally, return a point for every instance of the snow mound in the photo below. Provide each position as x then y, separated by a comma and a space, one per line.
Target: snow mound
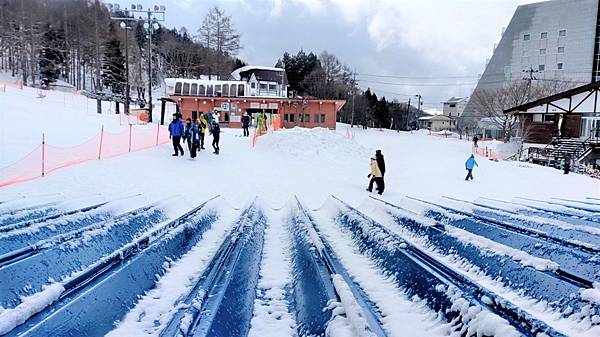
302, 143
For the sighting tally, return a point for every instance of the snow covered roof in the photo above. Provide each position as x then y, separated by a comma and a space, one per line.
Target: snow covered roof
236, 73
436, 118
457, 99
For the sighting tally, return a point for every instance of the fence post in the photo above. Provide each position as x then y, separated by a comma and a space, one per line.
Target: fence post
101, 138
43, 154
157, 132
130, 126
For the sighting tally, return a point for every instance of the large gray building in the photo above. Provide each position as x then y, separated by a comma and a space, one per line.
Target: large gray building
553, 40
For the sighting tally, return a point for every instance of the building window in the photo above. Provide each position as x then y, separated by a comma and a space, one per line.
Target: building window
562, 32
560, 66
549, 118
285, 117
452, 105
306, 118
186, 89
225, 89
292, 118
233, 90
201, 90
543, 51
449, 114
526, 37
544, 35
253, 85
209, 90
262, 87
561, 50
272, 88
538, 118
178, 86
218, 91
316, 119
322, 118
542, 67
227, 117
241, 90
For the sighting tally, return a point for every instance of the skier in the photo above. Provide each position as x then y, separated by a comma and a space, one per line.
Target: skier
216, 133
194, 138
187, 136
469, 165
246, 124
475, 140
203, 126
175, 133
376, 177
567, 165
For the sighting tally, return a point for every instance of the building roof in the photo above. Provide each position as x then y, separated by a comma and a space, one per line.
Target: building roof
262, 73
553, 98
436, 118
456, 99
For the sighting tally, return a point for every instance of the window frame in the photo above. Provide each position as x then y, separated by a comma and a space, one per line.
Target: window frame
186, 89
543, 35
527, 37
541, 67
562, 33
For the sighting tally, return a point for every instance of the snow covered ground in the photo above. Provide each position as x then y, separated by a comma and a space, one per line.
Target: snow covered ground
311, 165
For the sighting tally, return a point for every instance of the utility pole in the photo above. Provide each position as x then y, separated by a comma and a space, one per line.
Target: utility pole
126, 28
353, 95
528, 74
408, 114
420, 102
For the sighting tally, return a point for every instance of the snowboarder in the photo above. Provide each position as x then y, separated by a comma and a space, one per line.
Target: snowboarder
194, 138
567, 165
216, 133
187, 136
475, 140
203, 126
376, 177
469, 165
246, 124
175, 133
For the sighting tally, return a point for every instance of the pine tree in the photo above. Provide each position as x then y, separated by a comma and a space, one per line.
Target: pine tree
52, 55
113, 68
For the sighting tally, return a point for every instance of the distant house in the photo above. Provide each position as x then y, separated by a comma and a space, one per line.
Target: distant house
437, 123
455, 106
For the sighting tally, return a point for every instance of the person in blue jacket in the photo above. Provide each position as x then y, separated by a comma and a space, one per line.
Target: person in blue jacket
469, 165
175, 132
194, 138
187, 134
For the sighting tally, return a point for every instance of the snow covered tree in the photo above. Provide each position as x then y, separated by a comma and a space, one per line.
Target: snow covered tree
52, 55
113, 68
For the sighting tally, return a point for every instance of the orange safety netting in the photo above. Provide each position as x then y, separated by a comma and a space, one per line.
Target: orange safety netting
486, 152
47, 158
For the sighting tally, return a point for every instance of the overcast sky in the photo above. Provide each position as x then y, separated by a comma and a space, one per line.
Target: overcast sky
439, 46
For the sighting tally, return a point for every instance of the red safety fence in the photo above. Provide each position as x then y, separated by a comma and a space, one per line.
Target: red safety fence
47, 158
487, 152
275, 124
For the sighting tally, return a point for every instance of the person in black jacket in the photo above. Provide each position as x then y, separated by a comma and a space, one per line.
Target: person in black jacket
216, 133
246, 124
380, 162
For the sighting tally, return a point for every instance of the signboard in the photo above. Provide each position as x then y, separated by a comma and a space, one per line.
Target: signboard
224, 106
264, 106
233, 106
235, 119
254, 105
273, 105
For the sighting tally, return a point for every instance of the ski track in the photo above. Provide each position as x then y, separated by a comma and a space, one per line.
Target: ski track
272, 316
581, 324
155, 308
393, 304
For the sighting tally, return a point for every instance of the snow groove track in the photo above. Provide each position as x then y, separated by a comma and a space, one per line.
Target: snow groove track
315, 265
93, 299
548, 284
422, 275
28, 213
578, 261
559, 209
69, 253
221, 302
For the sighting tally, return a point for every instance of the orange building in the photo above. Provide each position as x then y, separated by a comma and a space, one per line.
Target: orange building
251, 90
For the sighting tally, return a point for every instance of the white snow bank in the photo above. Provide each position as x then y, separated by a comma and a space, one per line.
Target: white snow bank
29, 306
351, 308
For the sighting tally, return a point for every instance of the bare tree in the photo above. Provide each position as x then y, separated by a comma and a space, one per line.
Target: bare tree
491, 104
217, 33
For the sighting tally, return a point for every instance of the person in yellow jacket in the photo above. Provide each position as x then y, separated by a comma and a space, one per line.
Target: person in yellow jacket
203, 126
376, 177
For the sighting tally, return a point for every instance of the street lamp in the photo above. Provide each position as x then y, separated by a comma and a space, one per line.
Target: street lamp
124, 26
154, 14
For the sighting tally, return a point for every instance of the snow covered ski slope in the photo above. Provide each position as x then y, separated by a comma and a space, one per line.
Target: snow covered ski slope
129, 266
